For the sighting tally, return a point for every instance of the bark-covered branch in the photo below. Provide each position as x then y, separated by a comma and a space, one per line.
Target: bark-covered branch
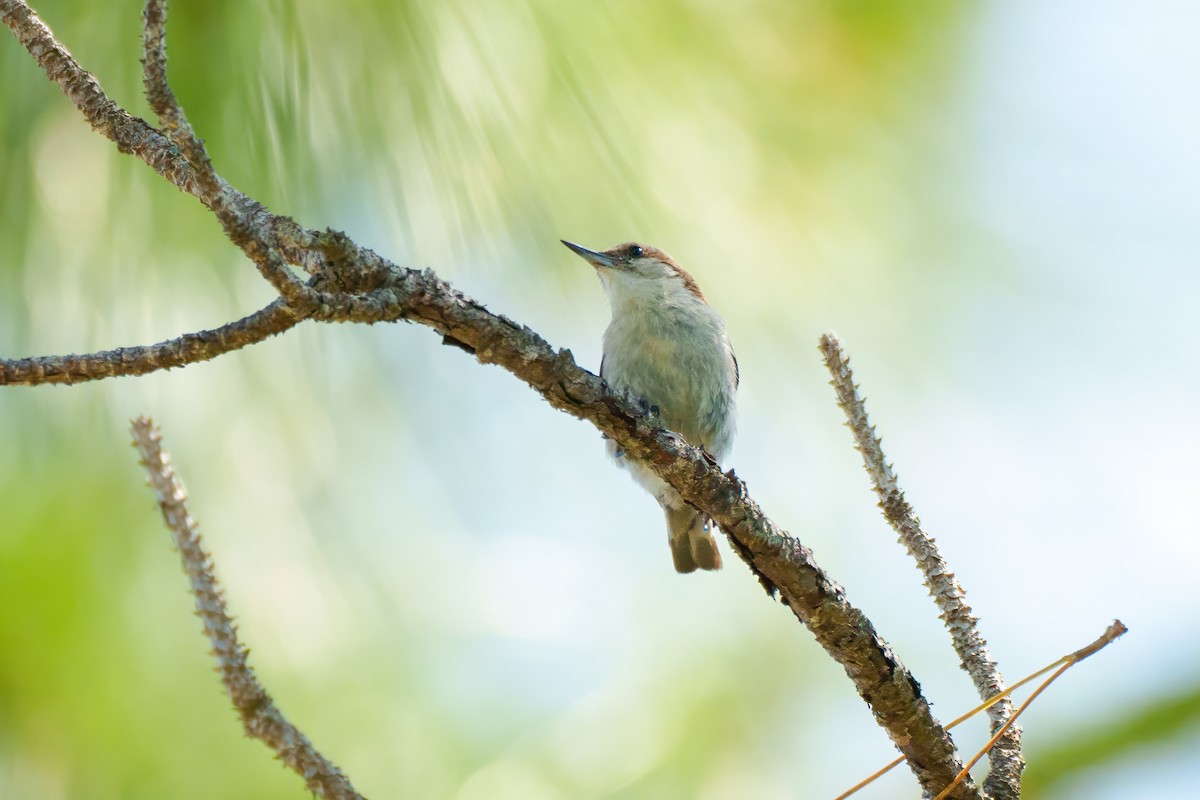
1004, 773
190, 348
260, 717
352, 284
162, 99
134, 136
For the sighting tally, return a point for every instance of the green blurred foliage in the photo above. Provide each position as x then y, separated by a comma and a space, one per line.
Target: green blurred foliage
466, 135
1156, 725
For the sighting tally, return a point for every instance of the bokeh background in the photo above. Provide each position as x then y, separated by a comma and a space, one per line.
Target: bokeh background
444, 581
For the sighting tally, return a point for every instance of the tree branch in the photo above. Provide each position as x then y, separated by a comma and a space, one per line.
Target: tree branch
190, 348
260, 717
353, 284
132, 135
162, 99
210, 186
1004, 775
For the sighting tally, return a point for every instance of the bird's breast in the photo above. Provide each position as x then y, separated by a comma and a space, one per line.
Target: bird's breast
680, 363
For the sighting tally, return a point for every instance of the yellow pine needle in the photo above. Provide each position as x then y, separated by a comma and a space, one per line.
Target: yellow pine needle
991, 701
960, 776
1066, 662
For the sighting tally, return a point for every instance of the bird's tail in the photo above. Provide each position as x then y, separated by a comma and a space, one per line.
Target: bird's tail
692, 543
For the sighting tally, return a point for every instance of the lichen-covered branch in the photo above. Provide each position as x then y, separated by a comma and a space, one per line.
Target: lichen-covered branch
162, 100
131, 134
352, 284
255, 243
260, 717
1004, 776
191, 348
134, 136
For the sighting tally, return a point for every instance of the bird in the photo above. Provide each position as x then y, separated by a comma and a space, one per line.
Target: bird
667, 349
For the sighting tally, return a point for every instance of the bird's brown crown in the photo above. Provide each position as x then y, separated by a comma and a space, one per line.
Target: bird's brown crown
635, 251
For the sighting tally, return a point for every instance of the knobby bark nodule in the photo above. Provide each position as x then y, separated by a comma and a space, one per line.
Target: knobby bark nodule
345, 282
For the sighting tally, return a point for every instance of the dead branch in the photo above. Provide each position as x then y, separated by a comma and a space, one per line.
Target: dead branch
1005, 761
191, 348
260, 717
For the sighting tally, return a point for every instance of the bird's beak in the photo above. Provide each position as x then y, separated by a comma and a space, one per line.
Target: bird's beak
591, 256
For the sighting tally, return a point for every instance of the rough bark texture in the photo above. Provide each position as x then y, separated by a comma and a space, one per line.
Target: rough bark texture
190, 348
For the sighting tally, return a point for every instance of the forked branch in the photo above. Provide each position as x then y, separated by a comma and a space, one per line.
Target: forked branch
1004, 775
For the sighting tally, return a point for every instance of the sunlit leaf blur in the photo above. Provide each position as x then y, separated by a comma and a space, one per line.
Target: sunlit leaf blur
443, 581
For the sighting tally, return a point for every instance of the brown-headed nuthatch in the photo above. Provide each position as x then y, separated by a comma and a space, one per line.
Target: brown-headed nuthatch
667, 349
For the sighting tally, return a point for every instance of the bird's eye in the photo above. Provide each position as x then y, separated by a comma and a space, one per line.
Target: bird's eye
635, 251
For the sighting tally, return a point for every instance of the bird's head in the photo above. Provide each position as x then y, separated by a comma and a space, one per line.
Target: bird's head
635, 271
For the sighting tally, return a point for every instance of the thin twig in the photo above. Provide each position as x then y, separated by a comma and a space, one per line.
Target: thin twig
135, 136
130, 134
1111, 634
191, 348
260, 718
162, 99
991, 701
1004, 776
211, 186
